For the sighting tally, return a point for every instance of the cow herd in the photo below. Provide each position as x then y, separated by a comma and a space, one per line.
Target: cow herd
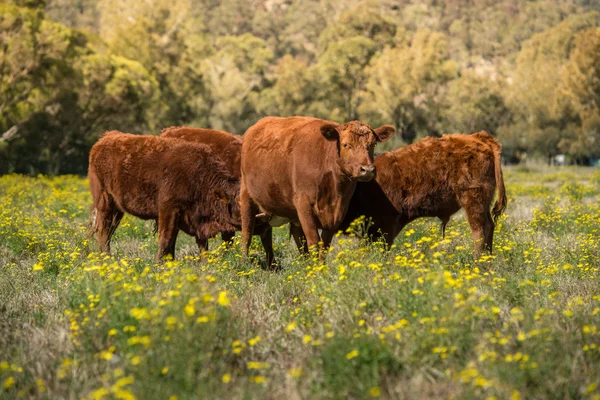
310, 173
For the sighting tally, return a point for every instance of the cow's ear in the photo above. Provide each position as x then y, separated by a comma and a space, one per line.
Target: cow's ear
220, 194
330, 132
384, 132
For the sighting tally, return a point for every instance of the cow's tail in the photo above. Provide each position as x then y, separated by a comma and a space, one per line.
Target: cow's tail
501, 201
500, 205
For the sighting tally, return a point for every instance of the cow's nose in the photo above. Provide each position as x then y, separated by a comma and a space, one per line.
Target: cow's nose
367, 169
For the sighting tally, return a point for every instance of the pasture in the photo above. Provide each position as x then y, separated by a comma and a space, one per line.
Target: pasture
423, 320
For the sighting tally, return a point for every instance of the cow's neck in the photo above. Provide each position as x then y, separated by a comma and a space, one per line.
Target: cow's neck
335, 193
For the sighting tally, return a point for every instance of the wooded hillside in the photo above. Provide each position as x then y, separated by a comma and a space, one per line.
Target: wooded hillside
526, 71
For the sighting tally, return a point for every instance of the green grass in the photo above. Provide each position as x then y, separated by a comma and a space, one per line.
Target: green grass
423, 320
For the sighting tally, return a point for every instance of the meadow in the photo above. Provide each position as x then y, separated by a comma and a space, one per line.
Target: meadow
424, 320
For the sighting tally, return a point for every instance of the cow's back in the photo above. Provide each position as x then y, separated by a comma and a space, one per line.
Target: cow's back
430, 174
225, 145
139, 172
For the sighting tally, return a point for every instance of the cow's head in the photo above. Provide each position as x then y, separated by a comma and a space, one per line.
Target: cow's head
356, 143
227, 206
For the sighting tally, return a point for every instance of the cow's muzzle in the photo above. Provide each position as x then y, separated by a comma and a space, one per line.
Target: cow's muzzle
367, 172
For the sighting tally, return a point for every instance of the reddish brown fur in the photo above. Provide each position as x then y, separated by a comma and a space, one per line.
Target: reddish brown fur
228, 147
304, 170
182, 185
434, 178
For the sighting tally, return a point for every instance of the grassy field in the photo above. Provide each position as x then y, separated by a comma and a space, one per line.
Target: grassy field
423, 320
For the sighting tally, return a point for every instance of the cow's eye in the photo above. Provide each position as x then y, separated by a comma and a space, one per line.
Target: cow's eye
346, 145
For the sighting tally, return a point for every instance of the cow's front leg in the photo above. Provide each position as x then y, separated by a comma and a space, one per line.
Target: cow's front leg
167, 233
308, 223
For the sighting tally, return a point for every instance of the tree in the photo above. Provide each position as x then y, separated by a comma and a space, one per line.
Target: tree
58, 94
82, 14
536, 78
365, 20
474, 103
578, 96
233, 78
160, 35
404, 83
342, 69
293, 92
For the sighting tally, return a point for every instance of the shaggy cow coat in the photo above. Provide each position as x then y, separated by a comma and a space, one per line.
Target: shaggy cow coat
228, 147
434, 177
182, 185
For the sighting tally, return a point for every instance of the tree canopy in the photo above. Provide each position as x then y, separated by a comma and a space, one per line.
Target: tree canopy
527, 71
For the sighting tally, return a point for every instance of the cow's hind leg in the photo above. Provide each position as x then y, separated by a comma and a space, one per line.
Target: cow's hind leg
327, 237
202, 244
167, 233
107, 220
248, 213
482, 226
445, 220
227, 238
266, 238
299, 238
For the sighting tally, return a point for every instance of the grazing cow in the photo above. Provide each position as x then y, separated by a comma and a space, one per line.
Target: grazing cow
182, 185
434, 177
228, 147
304, 171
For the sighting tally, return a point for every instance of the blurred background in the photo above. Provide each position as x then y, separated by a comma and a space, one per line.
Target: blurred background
526, 71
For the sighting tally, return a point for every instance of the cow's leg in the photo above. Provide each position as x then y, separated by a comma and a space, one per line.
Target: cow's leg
202, 244
266, 238
107, 221
327, 237
248, 213
482, 227
299, 238
388, 231
488, 231
227, 237
307, 221
167, 233
445, 220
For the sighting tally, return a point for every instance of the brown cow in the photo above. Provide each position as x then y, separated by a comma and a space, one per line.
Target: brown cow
228, 147
182, 185
304, 171
225, 145
434, 177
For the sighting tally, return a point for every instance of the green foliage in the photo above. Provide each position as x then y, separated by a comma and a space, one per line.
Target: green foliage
537, 77
58, 94
367, 20
475, 103
515, 68
578, 96
404, 83
293, 90
342, 71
